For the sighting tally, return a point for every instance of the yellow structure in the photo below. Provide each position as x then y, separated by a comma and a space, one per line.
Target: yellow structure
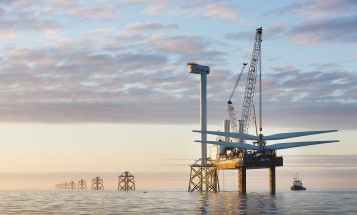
203, 177
97, 184
81, 185
126, 181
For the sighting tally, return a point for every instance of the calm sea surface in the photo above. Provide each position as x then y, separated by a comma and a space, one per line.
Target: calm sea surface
176, 202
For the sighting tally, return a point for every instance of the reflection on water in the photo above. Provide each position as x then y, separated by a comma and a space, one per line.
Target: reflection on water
289, 202
235, 203
163, 202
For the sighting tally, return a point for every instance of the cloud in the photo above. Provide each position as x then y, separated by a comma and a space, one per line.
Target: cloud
212, 9
93, 13
7, 34
220, 11
150, 26
159, 6
61, 86
274, 31
319, 85
190, 45
311, 32
329, 8
103, 31
118, 74
63, 2
57, 85
19, 17
340, 30
320, 21
321, 96
144, 80
18, 3
316, 8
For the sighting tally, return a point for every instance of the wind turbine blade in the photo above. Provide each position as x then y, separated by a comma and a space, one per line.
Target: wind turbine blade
294, 134
231, 144
229, 134
296, 144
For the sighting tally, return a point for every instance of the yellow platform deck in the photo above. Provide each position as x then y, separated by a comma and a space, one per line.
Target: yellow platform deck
249, 163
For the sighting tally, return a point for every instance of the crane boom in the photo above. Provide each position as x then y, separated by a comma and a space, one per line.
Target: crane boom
251, 80
232, 117
231, 112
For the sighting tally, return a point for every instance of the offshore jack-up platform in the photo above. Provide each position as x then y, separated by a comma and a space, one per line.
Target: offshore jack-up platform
204, 177
243, 160
234, 152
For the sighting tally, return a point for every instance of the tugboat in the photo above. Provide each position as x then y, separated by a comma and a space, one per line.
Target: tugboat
297, 184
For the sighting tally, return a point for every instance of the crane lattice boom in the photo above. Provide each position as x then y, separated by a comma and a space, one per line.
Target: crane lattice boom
251, 80
232, 118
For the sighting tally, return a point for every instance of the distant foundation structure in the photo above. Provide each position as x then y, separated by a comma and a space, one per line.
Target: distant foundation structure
81, 185
71, 185
126, 182
97, 183
203, 177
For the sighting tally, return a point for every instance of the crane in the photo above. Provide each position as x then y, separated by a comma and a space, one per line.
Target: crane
259, 154
254, 69
259, 140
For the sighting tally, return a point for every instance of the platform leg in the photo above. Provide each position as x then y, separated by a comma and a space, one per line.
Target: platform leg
242, 180
272, 180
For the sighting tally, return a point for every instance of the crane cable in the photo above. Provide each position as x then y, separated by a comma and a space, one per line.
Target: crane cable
235, 86
241, 72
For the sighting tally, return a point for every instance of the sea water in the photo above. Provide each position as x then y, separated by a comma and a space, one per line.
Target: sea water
175, 202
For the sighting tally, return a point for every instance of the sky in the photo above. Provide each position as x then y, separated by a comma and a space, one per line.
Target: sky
99, 87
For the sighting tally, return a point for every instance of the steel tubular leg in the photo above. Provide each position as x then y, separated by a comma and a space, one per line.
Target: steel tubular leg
272, 180
242, 180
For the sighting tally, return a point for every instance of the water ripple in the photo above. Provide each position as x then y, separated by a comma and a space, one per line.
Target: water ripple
164, 202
